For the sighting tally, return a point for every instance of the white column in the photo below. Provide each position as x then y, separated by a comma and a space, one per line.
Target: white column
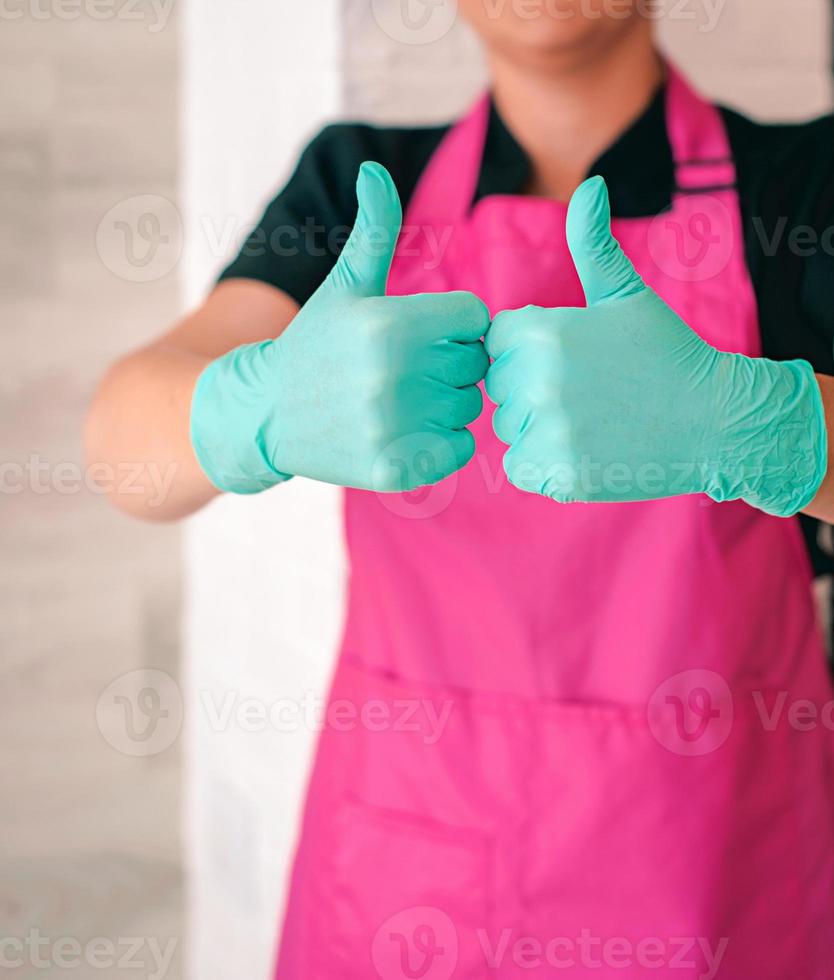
265, 575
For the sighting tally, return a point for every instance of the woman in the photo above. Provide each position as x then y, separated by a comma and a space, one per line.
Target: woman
568, 744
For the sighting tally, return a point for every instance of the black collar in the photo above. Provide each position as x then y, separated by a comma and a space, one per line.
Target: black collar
638, 168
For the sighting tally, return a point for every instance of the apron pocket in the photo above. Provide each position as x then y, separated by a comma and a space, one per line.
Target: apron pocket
670, 848
400, 897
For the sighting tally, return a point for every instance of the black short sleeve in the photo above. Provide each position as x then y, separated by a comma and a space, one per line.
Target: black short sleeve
786, 183
786, 178
299, 237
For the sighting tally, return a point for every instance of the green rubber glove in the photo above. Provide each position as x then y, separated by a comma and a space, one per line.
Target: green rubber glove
361, 389
622, 401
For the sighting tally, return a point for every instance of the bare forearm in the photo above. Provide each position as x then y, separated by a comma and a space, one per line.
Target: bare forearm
822, 506
138, 445
138, 441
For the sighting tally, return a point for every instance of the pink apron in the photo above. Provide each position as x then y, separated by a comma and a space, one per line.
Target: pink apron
565, 740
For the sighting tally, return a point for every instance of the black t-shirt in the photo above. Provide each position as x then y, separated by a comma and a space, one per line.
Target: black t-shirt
786, 188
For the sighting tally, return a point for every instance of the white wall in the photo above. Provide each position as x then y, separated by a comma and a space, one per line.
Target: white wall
265, 576
261, 596
767, 58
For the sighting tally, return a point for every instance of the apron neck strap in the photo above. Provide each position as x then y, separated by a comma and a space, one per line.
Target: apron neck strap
448, 184
700, 147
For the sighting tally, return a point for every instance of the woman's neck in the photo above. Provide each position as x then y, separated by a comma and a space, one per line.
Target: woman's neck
567, 112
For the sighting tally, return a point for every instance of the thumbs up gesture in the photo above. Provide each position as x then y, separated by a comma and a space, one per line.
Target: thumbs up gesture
361, 390
622, 401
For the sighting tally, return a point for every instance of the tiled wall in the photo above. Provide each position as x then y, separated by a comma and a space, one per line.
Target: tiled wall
88, 834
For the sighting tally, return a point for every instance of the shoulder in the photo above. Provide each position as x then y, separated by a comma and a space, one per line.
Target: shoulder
795, 158
786, 189
353, 136
331, 161
299, 236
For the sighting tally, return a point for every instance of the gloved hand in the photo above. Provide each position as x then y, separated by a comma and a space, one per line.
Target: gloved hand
361, 389
622, 401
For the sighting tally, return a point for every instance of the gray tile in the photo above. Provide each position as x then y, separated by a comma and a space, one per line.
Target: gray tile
27, 252
120, 901
89, 838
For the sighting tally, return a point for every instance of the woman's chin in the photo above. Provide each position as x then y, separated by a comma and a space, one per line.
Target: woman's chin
544, 36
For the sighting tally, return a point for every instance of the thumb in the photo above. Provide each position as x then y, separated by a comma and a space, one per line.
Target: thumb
604, 270
365, 261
